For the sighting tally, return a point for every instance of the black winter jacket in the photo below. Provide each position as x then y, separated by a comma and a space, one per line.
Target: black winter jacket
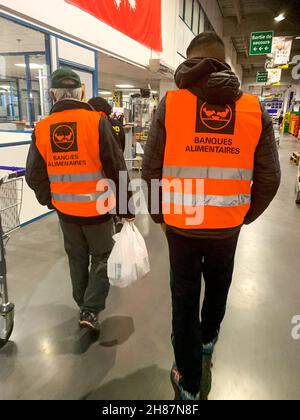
214, 82
110, 155
119, 132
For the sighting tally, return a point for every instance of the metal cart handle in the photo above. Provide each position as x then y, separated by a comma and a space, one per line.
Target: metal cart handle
12, 172
3, 269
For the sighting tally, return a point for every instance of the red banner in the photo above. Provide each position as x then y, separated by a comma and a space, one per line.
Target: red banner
138, 19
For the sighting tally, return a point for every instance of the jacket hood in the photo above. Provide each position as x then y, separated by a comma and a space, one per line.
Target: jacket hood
210, 79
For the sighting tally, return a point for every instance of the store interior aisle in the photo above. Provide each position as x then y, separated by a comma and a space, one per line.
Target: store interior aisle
49, 358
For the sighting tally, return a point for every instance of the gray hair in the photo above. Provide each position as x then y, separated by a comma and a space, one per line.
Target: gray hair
67, 93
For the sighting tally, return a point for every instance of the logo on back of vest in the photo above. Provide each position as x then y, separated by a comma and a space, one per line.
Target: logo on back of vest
64, 137
215, 118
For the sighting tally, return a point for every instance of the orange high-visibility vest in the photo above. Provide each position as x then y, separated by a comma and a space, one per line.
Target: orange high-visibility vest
209, 160
69, 143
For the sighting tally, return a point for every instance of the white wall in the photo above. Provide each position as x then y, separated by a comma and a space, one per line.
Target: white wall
7, 137
214, 14
16, 156
76, 54
165, 86
185, 36
170, 13
231, 58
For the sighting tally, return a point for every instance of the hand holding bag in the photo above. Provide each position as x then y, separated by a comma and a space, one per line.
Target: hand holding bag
129, 260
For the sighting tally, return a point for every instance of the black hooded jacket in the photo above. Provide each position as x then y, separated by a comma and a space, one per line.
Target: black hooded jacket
214, 82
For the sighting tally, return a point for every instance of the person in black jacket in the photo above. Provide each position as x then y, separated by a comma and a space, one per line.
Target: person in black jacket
88, 240
101, 105
210, 252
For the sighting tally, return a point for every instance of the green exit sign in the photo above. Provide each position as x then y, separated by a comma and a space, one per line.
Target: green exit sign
262, 77
261, 43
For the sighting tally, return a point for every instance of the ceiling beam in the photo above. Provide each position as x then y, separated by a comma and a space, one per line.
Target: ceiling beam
237, 9
251, 60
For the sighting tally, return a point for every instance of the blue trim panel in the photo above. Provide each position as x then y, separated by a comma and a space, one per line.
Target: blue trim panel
11, 54
16, 171
29, 89
76, 65
57, 52
16, 131
16, 143
48, 55
19, 102
95, 75
12, 100
36, 219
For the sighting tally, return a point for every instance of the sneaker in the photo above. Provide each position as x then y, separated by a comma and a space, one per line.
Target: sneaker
180, 392
209, 348
206, 380
89, 320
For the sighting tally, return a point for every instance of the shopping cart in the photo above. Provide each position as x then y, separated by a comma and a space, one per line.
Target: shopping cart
11, 195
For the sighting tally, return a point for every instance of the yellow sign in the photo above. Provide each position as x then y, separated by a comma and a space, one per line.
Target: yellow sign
284, 67
274, 76
117, 98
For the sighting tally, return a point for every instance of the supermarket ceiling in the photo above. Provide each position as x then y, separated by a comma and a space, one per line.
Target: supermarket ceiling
114, 71
241, 17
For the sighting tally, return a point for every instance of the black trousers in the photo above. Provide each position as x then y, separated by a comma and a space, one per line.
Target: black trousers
190, 258
88, 249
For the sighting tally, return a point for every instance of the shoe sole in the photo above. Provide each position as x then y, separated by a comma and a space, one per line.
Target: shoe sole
88, 325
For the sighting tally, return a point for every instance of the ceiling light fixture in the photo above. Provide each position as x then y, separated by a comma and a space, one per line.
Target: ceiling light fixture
33, 66
125, 86
105, 92
280, 17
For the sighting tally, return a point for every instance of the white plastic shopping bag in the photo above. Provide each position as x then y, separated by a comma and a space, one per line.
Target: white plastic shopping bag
129, 260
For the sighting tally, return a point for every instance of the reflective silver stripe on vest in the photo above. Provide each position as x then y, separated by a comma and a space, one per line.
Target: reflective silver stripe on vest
80, 198
93, 176
203, 172
206, 200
